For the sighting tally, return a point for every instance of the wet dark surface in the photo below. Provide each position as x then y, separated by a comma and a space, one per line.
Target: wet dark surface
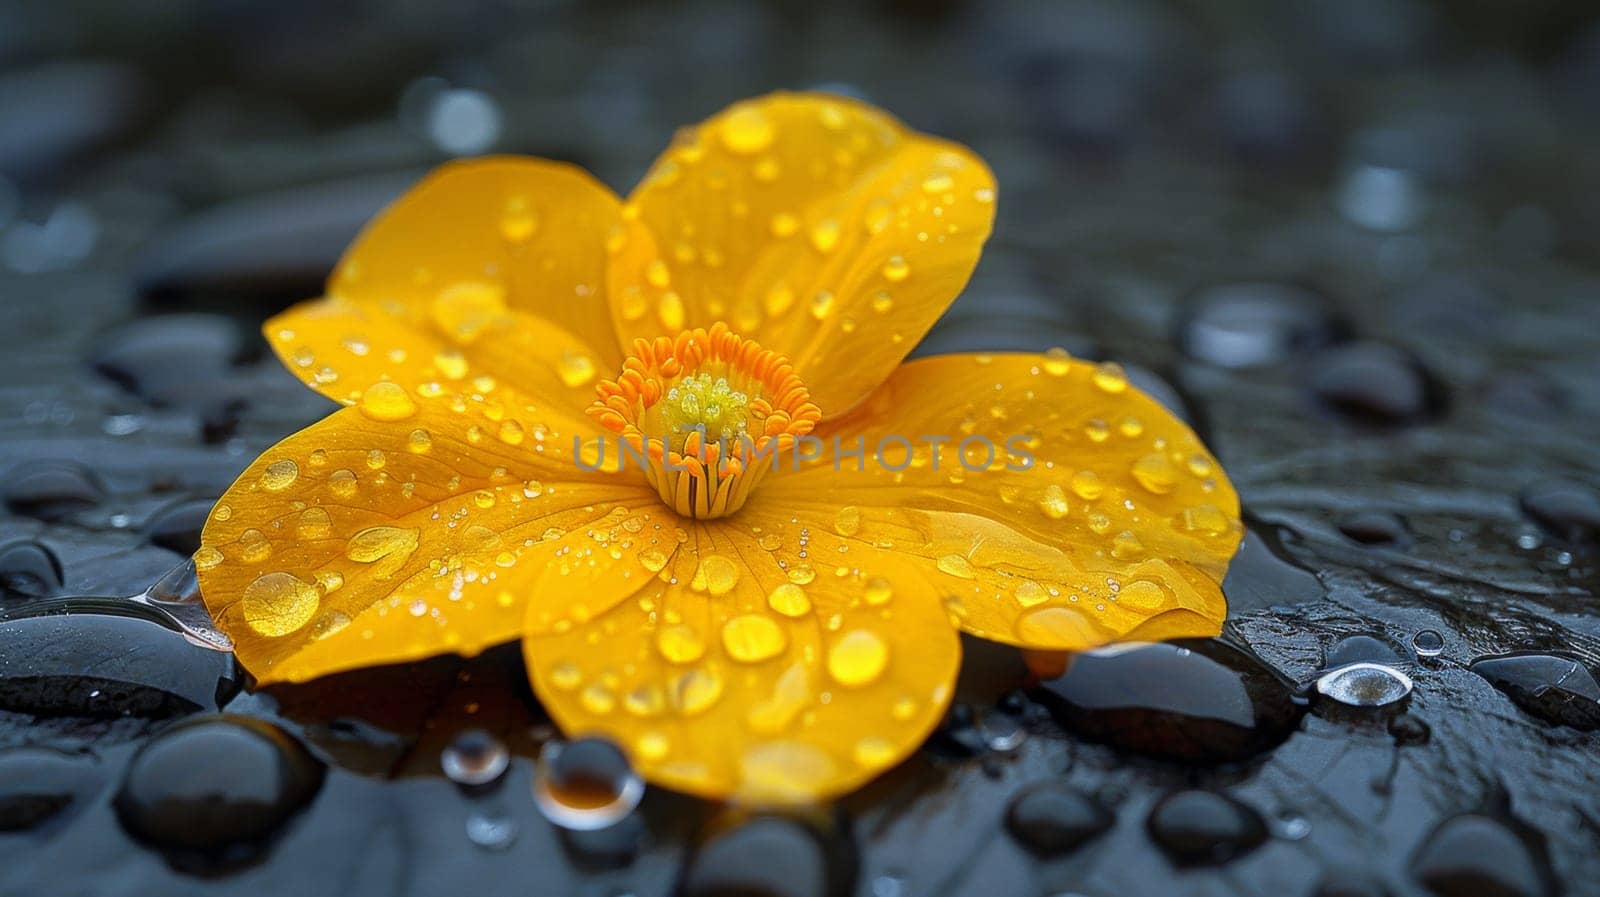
1355, 244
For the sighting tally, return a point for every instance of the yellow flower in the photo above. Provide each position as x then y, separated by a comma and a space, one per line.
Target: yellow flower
741, 627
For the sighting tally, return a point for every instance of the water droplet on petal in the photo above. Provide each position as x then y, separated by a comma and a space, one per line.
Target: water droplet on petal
857, 658
279, 475
387, 401
752, 638
276, 604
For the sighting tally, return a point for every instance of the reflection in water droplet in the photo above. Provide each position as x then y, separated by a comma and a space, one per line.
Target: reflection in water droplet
1365, 685
213, 792
585, 785
474, 757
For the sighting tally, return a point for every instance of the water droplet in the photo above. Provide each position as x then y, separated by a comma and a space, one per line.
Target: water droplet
802, 574
747, 130
1156, 473
878, 591
575, 368
492, 830
1428, 643
1051, 819
474, 757
279, 475
857, 658
653, 559
465, 310
1204, 828
1110, 377
752, 638
680, 643
1054, 502
896, 269
789, 599
1057, 361
212, 792
387, 401
958, 566
518, 220
848, 521
716, 574
825, 235
314, 523
385, 547
586, 785
276, 604
1365, 685
1086, 484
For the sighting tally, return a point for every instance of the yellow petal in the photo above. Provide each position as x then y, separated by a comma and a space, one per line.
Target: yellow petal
462, 259
1121, 528
344, 349
743, 672
815, 224
368, 539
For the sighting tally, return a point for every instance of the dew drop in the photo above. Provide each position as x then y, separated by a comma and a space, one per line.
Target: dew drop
958, 566
276, 604
857, 658
1428, 643
896, 269
825, 235
474, 757
680, 643
1057, 361
1110, 377
518, 220
575, 368
387, 401
848, 521
718, 574
878, 591
1054, 502
1365, 685
748, 130
752, 638
1156, 473
586, 785
279, 475
789, 599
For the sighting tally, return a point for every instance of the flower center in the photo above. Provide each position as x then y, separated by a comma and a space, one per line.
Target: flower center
708, 412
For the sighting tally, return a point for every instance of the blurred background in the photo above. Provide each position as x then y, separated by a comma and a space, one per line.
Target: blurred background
1355, 244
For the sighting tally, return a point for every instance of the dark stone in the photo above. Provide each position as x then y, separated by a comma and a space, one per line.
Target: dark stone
105, 658
1557, 689
40, 788
1375, 528
1568, 509
53, 114
177, 527
51, 489
277, 247
1248, 325
28, 569
1374, 384
1199, 701
1204, 828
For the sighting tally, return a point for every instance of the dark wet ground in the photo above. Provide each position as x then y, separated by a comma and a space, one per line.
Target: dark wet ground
1356, 244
